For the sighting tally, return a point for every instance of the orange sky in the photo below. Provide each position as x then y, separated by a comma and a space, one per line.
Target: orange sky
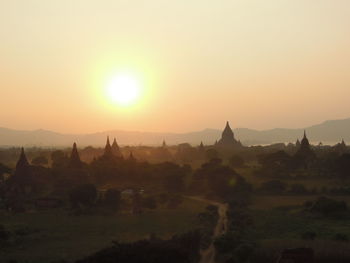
258, 64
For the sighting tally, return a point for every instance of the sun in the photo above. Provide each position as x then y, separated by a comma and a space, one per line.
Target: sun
124, 89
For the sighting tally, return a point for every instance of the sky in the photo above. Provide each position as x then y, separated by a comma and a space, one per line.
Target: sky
259, 64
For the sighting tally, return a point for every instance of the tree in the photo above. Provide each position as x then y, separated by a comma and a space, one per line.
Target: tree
308, 235
217, 178
112, 198
343, 165
236, 161
180, 248
298, 189
85, 194
173, 176
59, 159
273, 186
174, 201
136, 203
277, 164
211, 154
3, 169
4, 234
149, 202
328, 206
40, 160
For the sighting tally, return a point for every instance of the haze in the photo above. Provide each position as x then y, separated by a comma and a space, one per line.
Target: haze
259, 64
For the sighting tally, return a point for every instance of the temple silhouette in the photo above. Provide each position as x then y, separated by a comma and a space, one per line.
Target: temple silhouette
115, 149
305, 152
228, 138
74, 160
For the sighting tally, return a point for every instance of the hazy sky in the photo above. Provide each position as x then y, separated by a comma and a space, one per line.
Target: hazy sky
259, 64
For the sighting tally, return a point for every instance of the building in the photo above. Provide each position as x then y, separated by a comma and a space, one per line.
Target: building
305, 152
74, 161
115, 149
228, 138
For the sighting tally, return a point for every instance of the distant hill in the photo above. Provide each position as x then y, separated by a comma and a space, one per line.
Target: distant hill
328, 132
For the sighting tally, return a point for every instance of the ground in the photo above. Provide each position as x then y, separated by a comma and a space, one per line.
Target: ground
54, 235
280, 223
266, 202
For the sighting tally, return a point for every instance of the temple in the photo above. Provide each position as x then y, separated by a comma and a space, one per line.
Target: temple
131, 157
341, 147
75, 161
22, 162
108, 149
228, 138
115, 149
305, 150
22, 180
201, 146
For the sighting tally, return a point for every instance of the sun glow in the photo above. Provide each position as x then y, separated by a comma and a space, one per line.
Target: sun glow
124, 89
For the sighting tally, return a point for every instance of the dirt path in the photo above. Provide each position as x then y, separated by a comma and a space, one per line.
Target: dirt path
208, 255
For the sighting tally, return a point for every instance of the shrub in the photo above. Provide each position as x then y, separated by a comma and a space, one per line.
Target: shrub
243, 252
273, 186
85, 194
163, 198
174, 201
340, 191
236, 161
309, 235
298, 189
40, 160
307, 204
112, 198
328, 206
4, 234
149, 202
341, 237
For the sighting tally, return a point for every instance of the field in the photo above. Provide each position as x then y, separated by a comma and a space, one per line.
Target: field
55, 235
280, 223
325, 250
284, 224
263, 202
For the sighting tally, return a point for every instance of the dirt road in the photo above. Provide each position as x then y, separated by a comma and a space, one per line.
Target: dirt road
208, 255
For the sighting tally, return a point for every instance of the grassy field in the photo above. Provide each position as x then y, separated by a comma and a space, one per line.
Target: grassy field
279, 223
55, 235
281, 217
264, 202
325, 250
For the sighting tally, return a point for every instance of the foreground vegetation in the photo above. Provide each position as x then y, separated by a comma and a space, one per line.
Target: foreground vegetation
296, 196
54, 235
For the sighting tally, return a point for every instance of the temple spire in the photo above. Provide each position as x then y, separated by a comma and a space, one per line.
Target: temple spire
108, 148
22, 161
201, 147
305, 141
115, 144
227, 128
75, 158
115, 148
305, 148
228, 138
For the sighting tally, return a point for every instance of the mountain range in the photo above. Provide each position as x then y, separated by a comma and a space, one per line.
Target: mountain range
328, 132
